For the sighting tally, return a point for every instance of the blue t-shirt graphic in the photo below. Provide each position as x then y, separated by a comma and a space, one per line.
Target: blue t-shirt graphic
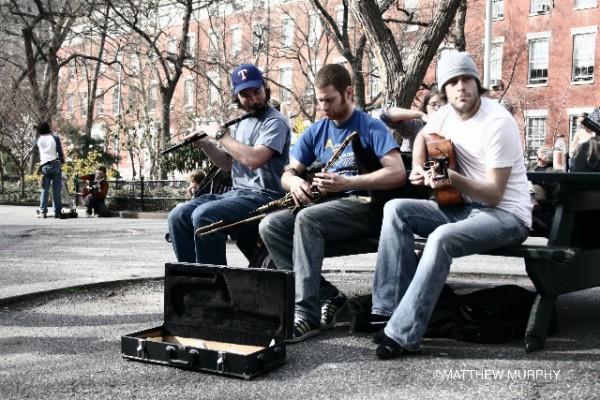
323, 138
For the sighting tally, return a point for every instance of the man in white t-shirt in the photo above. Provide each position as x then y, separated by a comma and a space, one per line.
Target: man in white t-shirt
496, 212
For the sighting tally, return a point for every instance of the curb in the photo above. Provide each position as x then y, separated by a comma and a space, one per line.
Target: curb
141, 214
20, 298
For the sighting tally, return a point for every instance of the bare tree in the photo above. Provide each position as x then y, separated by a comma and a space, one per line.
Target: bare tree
16, 131
401, 80
43, 27
152, 22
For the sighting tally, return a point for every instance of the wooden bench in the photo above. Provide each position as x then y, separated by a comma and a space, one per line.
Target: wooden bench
569, 262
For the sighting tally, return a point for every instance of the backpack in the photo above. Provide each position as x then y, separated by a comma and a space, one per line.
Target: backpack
491, 315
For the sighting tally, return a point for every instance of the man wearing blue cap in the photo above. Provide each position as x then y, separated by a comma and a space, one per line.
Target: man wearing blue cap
255, 151
496, 211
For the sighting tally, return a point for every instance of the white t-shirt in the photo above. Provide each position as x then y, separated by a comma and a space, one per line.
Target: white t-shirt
47, 146
489, 139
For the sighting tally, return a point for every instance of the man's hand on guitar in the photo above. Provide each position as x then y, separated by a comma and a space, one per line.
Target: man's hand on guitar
327, 182
436, 175
417, 176
300, 190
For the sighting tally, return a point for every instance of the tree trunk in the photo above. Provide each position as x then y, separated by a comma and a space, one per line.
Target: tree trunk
401, 82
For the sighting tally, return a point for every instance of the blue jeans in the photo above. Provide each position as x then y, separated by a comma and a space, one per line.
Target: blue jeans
297, 241
185, 218
51, 173
409, 293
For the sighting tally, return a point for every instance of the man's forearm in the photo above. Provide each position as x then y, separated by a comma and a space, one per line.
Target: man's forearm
216, 155
419, 154
382, 179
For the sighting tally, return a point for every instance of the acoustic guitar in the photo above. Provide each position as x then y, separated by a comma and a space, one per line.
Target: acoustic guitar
440, 158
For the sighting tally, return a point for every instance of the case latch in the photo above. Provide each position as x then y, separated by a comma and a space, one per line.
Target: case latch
221, 362
141, 348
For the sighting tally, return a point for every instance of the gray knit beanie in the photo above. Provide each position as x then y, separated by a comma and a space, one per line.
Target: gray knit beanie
455, 64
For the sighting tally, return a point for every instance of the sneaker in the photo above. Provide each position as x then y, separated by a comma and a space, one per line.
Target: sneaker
304, 329
40, 214
378, 337
389, 348
369, 323
88, 215
331, 308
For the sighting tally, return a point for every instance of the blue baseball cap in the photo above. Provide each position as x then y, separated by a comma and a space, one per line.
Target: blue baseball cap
246, 76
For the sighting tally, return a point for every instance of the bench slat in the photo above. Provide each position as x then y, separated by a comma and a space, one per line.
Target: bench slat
360, 246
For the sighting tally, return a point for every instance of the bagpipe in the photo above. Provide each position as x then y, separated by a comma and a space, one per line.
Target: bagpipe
197, 135
286, 202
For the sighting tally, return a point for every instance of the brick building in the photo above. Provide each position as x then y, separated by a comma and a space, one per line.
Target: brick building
544, 59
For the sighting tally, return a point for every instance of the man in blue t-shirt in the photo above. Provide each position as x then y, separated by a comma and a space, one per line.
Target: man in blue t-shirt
255, 152
297, 240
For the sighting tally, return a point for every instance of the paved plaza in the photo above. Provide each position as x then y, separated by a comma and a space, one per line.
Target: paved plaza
70, 288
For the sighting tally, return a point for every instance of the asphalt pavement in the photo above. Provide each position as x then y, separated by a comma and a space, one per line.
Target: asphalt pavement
70, 288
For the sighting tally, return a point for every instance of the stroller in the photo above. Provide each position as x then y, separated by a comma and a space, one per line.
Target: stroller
68, 198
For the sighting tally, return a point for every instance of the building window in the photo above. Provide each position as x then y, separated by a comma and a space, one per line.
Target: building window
70, 105
583, 57
100, 103
339, 16
83, 99
586, 3
373, 78
497, 9
412, 8
442, 53
572, 126
132, 94
214, 96
287, 32
172, 46
236, 41
535, 134
314, 29
189, 92
213, 45
134, 64
311, 73
258, 39
190, 46
116, 109
540, 6
538, 61
152, 97
496, 66
285, 79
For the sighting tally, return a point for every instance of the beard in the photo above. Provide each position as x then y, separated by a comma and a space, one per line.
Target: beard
467, 107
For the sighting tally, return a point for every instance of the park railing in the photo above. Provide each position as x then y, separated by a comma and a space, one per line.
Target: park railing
145, 194
142, 194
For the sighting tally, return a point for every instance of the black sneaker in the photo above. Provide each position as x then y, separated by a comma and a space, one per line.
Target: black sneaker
369, 323
304, 329
389, 348
331, 308
378, 337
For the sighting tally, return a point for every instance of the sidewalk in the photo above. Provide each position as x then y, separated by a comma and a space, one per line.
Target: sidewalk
39, 255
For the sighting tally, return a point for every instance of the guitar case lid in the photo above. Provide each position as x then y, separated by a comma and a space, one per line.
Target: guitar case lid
241, 305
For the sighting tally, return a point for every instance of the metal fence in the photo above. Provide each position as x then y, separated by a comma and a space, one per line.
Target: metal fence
145, 195
142, 194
